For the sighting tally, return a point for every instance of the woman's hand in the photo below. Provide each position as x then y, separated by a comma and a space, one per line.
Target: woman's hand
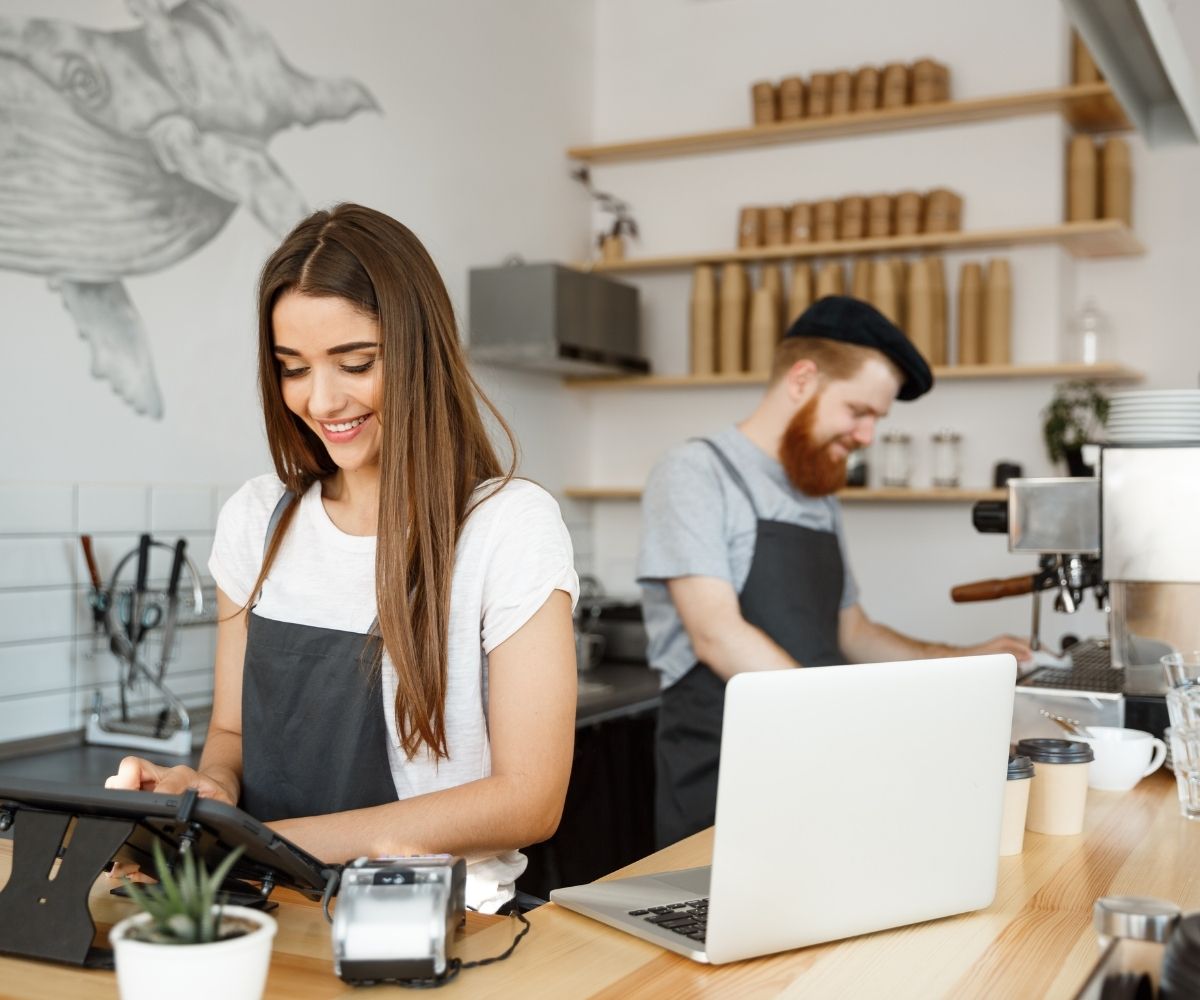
138, 774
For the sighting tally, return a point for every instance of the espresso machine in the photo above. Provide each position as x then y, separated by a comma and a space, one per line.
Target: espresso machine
1130, 537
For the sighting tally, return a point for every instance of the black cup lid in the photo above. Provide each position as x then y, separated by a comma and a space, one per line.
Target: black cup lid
1019, 767
1044, 751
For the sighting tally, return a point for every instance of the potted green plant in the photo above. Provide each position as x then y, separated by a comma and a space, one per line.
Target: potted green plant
1075, 416
184, 943
611, 239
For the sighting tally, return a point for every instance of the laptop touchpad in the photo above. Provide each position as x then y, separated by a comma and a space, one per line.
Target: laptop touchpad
693, 881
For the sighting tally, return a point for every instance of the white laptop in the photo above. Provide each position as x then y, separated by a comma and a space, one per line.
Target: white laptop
850, 799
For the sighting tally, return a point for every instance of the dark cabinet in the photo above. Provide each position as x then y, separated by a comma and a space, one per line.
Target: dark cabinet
608, 818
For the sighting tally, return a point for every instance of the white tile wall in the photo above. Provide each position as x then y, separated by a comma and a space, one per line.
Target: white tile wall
32, 615
50, 662
181, 508
27, 509
35, 668
95, 665
104, 507
25, 718
37, 562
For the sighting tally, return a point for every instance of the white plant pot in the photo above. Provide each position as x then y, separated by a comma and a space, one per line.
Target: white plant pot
223, 970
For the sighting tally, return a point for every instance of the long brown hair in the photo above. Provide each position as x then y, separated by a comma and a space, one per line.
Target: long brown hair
435, 449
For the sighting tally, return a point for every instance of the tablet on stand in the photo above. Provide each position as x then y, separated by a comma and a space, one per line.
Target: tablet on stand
44, 912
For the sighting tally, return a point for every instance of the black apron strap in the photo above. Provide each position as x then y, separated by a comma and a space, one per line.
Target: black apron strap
738, 480
276, 516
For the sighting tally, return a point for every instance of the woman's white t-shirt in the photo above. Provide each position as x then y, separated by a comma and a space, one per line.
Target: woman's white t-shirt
513, 553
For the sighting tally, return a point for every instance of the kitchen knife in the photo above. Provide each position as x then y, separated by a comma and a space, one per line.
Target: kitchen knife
168, 635
97, 598
139, 595
90, 557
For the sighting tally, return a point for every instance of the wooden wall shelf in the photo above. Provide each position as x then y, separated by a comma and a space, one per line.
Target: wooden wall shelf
1097, 238
1091, 373
857, 495
1089, 107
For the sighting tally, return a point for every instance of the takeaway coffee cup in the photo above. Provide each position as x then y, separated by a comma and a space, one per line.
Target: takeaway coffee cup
1123, 757
1016, 802
1058, 792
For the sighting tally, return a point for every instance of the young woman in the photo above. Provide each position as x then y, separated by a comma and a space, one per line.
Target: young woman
395, 668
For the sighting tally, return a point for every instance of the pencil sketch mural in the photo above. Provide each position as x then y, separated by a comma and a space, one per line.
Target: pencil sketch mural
122, 152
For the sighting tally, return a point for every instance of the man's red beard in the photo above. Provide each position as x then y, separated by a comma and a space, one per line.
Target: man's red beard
807, 461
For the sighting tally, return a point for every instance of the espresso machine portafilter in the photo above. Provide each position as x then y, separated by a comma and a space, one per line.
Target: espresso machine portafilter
1058, 520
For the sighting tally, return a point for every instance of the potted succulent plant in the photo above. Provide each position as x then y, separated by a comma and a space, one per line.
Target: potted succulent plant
611, 239
1075, 416
185, 944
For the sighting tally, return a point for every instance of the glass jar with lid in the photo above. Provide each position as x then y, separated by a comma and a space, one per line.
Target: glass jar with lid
947, 459
1089, 337
897, 458
856, 470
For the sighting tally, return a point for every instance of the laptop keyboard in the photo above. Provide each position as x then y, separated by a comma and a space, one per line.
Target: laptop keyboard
689, 919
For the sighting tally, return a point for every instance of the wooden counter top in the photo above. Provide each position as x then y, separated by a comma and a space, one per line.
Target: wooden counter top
1035, 940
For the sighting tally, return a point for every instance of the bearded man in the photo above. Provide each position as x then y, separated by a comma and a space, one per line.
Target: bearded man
743, 561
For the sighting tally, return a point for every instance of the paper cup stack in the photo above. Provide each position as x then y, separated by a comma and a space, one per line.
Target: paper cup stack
1154, 416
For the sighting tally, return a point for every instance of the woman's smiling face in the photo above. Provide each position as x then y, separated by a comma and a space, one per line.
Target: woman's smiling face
329, 373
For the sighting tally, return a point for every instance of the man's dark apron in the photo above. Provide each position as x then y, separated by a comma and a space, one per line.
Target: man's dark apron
314, 733
793, 593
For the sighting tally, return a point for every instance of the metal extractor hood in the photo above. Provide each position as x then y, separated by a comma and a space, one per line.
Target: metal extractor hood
1139, 49
551, 318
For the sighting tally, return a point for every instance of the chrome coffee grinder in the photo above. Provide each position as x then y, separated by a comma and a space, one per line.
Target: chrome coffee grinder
1131, 536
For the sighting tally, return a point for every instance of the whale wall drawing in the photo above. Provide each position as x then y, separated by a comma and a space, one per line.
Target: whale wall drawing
123, 152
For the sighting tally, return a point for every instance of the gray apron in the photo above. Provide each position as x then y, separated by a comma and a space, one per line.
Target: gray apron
793, 593
314, 733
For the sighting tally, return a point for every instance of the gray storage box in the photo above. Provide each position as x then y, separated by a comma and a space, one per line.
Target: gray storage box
554, 318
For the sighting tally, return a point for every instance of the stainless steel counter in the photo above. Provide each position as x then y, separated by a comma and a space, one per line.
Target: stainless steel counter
616, 690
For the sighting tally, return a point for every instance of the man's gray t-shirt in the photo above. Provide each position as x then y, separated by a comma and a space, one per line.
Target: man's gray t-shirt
696, 521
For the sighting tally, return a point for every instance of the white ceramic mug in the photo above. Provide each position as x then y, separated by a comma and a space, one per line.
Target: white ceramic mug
1123, 757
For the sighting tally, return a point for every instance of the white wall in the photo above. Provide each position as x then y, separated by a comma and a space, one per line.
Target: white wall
675, 66
478, 101
476, 98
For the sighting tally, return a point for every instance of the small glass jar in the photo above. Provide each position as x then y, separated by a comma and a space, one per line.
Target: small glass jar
856, 470
946, 458
897, 458
1089, 337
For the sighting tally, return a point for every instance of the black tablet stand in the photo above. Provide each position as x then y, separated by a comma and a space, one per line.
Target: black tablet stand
49, 918
45, 914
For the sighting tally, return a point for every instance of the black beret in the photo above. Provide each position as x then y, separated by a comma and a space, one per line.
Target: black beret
852, 321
